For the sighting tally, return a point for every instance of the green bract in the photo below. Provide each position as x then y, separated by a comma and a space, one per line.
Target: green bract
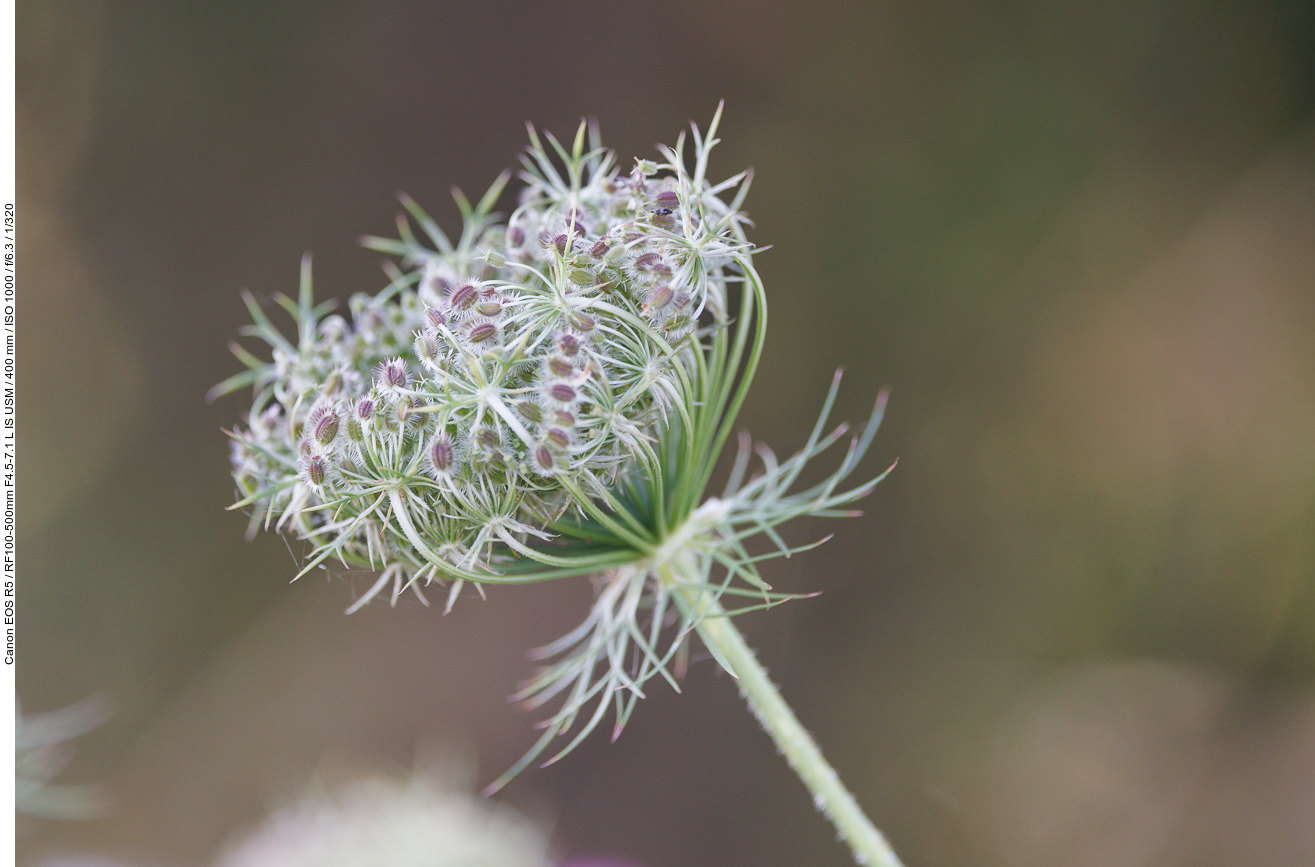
545, 397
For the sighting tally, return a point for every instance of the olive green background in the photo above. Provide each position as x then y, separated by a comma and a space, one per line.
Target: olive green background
1077, 240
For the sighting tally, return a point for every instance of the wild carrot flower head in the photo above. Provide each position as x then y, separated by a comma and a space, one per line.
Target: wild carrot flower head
544, 396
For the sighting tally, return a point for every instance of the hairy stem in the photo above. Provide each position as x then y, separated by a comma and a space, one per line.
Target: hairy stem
829, 794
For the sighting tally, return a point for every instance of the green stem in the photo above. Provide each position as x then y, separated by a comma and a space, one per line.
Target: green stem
829, 794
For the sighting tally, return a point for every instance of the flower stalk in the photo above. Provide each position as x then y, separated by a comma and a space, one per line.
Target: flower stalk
830, 796
544, 397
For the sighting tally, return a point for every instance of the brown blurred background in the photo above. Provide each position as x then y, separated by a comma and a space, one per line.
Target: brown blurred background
1077, 239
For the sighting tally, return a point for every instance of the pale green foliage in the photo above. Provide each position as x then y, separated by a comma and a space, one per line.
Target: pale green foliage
43, 750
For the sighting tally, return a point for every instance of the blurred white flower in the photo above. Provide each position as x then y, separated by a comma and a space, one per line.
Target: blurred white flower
377, 822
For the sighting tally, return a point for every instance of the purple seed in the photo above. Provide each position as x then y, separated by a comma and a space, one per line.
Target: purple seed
435, 318
648, 262
317, 468
569, 343
559, 366
326, 427
562, 393
483, 332
559, 438
365, 409
668, 199
661, 297
463, 296
441, 453
544, 458
581, 321
531, 412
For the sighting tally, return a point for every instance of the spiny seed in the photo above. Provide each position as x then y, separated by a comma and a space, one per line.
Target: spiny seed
661, 297
463, 296
404, 411
562, 392
488, 438
426, 348
559, 366
580, 277
531, 412
564, 418
600, 248
488, 308
435, 318
393, 373
667, 199
544, 458
569, 344
442, 454
365, 408
559, 438
516, 236
317, 468
483, 332
354, 431
326, 428
581, 321
648, 262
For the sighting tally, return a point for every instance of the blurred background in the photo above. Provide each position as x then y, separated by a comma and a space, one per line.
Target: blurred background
1077, 239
